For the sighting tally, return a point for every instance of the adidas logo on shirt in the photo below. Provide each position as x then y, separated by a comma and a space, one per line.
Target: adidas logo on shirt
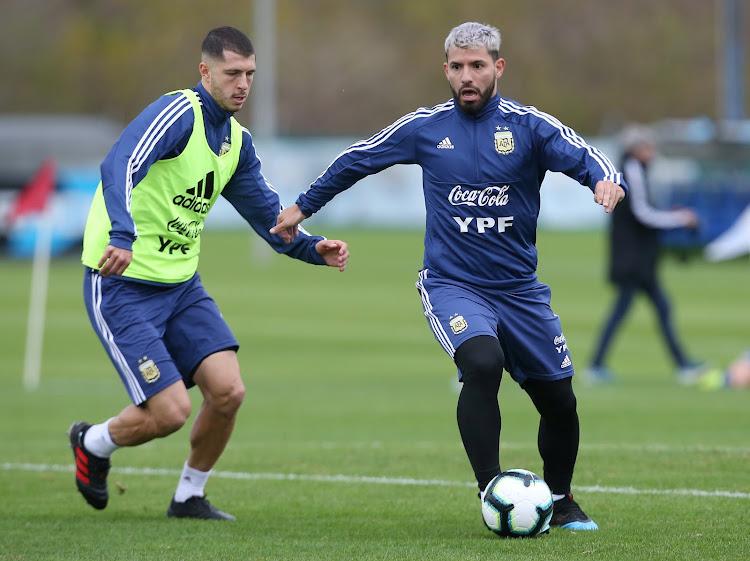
566, 362
446, 144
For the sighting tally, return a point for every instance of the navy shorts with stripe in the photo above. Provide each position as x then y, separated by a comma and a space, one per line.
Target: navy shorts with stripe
522, 320
155, 335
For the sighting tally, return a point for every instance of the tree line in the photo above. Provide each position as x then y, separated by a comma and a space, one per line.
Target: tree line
352, 67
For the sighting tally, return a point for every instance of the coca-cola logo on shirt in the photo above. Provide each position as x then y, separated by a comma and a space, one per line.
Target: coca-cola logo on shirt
489, 196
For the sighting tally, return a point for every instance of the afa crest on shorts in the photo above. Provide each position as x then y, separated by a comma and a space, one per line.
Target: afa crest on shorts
458, 324
504, 143
149, 370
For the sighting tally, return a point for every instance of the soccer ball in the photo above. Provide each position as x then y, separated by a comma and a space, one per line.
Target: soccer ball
517, 503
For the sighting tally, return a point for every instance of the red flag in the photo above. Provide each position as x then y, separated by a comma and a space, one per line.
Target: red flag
36, 193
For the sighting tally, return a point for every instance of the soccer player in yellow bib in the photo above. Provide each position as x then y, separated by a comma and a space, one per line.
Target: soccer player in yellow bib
162, 331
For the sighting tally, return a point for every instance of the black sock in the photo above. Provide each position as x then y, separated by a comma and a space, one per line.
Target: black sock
479, 423
558, 447
480, 360
559, 431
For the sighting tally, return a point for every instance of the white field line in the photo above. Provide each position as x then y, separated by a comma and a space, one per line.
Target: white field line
366, 479
531, 445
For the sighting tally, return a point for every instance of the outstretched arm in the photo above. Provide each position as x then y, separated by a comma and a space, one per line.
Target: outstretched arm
393, 145
258, 203
642, 209
565, 151
287, 222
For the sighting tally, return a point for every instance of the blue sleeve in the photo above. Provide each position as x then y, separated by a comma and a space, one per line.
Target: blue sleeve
258, 203
161, 130
565, 151
393, 145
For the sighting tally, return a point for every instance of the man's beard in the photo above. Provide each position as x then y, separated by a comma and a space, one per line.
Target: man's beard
474, 107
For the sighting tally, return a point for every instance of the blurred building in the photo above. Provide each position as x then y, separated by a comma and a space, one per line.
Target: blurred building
703, 164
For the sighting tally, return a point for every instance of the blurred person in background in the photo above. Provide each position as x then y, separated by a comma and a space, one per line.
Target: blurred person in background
483, 159
634, 255
736, 376
161, 329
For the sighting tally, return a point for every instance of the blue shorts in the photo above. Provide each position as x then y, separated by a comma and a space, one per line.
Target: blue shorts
522, 320
155, 335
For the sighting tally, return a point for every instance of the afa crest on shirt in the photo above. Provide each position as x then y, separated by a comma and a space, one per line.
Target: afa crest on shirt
458, 324
225, 146
149, 370
504, 143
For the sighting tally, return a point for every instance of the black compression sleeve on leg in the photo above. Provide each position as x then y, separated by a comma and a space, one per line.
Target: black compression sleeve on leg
481, 360
559, 430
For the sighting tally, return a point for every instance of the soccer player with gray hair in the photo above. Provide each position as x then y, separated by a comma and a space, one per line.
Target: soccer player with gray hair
483, 159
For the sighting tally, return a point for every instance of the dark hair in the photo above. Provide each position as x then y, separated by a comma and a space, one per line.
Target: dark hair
226, 38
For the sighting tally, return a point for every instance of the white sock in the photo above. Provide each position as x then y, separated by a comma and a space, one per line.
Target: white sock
191, 484
558, 497
98, 441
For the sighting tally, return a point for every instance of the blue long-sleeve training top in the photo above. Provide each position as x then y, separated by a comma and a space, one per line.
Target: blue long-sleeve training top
482, 176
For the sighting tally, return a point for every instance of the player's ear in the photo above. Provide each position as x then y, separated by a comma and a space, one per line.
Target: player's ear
499, 67
204, 69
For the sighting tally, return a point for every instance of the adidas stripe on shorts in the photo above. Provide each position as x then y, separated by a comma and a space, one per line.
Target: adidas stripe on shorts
155, 334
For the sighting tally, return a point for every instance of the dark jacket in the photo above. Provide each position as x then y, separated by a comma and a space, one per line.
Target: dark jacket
634, 230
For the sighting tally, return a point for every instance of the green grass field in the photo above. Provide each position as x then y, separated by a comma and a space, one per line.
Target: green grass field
347, 446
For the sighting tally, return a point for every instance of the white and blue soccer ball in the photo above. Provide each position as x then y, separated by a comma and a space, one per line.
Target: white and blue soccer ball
517, 504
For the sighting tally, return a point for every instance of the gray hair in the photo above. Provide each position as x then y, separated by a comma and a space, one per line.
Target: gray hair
472, 35
635, 135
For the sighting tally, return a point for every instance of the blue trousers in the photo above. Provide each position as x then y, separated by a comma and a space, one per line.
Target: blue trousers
621, 307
